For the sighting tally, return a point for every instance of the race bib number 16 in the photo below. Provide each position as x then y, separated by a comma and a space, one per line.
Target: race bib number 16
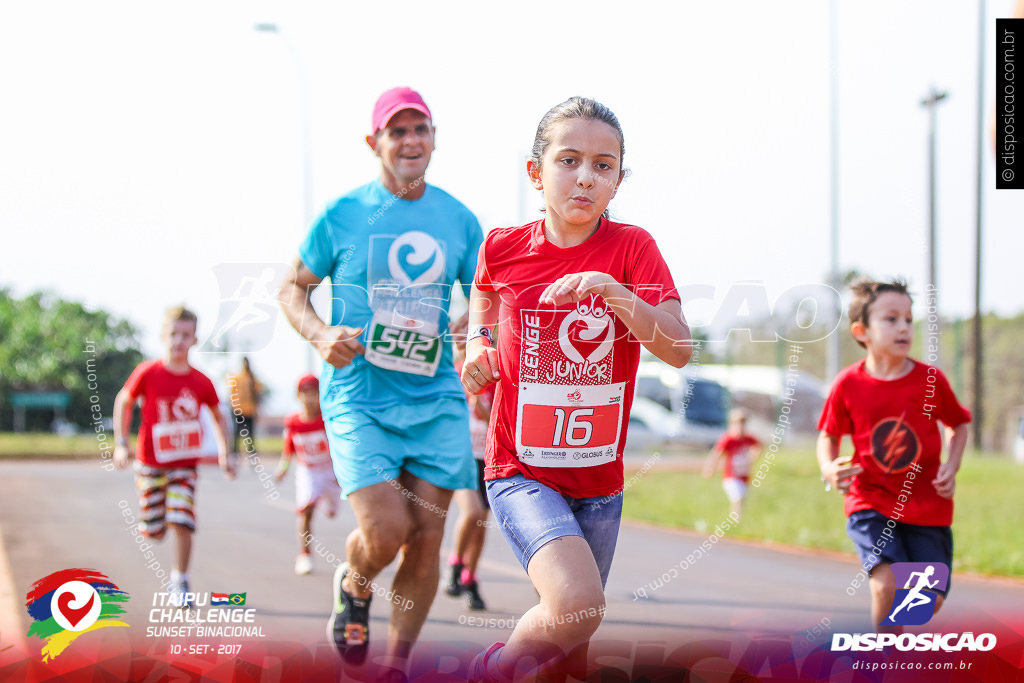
564, 426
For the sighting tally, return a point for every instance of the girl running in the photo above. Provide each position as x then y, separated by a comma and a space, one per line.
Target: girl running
575, 294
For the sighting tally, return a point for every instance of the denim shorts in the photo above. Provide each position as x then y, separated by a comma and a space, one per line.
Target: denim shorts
531, 514
904, 543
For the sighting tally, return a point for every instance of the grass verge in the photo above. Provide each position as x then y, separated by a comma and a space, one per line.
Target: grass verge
792, 507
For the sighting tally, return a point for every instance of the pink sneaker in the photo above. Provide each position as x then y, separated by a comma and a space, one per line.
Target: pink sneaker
480, 671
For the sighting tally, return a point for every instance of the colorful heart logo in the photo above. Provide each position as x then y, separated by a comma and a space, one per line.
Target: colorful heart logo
75, 605
72, 614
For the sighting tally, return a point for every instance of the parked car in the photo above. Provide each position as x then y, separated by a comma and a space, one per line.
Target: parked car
675, 405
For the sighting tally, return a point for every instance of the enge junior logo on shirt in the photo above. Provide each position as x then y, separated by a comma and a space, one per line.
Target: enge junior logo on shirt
568, 406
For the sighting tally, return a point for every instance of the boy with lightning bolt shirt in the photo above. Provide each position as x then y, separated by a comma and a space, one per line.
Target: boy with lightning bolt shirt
898, 491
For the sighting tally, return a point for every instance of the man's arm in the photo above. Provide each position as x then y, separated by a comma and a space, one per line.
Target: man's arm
337, 345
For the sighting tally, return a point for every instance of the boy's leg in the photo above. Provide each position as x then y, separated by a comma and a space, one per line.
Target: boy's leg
883, 591
879, 543
183, 545
931, 544
151, 485
181, 487
306, 529
735, 490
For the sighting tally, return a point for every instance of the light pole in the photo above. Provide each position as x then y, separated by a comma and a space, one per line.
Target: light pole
979, 189
832, 350
307, 146
930, 102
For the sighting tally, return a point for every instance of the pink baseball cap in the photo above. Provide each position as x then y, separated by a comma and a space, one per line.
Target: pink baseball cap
309, 382
394, 101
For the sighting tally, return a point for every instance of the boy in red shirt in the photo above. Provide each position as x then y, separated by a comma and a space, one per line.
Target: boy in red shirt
306, 438
170, 440
739, 450
899, 493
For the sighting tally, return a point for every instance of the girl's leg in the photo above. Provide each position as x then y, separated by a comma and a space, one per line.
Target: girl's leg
570, 610
567, 546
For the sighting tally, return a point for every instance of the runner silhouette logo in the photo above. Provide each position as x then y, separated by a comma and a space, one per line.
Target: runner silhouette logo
914, 603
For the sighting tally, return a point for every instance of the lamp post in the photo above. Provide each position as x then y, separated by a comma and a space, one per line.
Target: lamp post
307, 146
930, 102
832, 350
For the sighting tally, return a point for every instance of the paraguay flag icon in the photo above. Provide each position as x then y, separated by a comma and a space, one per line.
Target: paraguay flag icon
69, 603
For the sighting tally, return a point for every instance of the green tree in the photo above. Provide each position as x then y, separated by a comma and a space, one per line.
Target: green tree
51, 344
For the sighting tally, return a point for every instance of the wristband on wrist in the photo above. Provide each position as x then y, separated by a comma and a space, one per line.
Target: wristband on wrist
283, 465
481, 331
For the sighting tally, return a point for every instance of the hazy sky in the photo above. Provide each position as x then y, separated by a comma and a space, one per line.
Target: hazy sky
143, 145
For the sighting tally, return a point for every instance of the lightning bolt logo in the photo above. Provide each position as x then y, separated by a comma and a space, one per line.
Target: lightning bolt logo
895, 444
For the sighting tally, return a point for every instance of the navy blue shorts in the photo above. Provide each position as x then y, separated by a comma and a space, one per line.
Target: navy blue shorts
880, 539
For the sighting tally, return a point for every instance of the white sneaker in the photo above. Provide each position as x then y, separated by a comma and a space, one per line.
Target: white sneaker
177, 592
303, 564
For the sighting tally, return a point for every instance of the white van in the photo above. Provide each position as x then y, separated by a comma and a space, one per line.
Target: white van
675, 405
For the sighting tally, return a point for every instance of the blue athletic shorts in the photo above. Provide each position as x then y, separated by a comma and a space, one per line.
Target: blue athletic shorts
903, 543
429, 441
531, 514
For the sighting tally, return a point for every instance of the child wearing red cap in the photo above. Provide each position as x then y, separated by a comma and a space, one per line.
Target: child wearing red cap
306, 438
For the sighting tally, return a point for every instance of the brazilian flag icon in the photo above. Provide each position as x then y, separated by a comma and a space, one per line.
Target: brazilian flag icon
237, 598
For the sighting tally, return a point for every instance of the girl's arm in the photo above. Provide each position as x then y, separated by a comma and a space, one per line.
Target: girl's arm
481, 365
662, 328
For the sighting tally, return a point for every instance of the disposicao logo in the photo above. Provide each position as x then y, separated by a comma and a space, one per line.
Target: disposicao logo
914, 603
68, 603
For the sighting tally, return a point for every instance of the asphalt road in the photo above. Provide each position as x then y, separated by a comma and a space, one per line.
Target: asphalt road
56, 515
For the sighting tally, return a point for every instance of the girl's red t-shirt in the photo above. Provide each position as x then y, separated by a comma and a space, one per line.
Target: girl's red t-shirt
567, 372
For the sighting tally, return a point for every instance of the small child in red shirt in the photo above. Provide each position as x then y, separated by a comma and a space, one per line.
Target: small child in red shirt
738, 450
898, 491
170, 441
305, 437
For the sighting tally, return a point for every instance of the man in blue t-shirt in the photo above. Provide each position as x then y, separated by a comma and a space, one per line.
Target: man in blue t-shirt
394, 409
